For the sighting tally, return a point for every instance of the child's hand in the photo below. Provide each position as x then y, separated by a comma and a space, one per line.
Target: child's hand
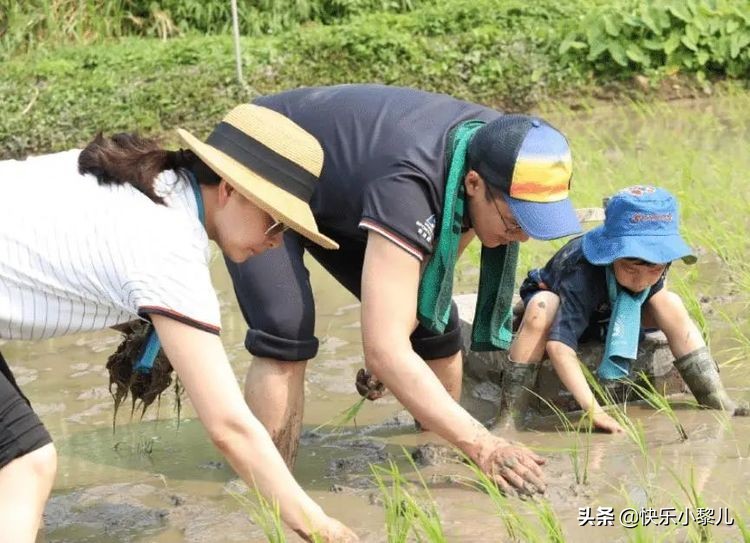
605, 423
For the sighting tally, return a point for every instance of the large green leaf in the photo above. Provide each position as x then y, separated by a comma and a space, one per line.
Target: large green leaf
617, 51
610, 26
637, 55
737, 42
672, 43
596, 48
647, 16
680, 10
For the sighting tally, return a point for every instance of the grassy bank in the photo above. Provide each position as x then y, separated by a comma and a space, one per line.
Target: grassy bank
510, 54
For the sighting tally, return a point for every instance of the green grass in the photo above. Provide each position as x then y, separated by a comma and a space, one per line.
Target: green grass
504, 53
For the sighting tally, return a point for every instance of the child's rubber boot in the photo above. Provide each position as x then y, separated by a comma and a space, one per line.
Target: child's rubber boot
701, 374
516, 396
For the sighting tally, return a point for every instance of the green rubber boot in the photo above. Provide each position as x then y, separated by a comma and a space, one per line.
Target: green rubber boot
516, 396
701, 374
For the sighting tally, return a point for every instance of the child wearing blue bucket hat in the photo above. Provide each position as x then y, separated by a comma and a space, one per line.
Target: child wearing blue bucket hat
608, 284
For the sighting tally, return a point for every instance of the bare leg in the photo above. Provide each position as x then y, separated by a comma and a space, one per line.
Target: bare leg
693, 360
25, 484
529, 343
526, 352
450, 371
275, 392
666, 310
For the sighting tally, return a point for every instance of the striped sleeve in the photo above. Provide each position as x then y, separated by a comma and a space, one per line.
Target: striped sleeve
172, 278
401, 208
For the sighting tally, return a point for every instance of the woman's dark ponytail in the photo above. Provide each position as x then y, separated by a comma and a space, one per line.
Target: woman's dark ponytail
129, 158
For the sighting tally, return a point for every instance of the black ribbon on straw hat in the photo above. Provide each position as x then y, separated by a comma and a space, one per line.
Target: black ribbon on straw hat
266, 162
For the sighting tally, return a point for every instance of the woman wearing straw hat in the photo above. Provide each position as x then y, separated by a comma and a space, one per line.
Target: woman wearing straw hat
127, 238
410, 177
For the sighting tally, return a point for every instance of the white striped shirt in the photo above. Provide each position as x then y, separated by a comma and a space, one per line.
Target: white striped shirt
76, 256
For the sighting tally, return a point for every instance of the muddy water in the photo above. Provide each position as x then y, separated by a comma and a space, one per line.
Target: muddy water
156, 482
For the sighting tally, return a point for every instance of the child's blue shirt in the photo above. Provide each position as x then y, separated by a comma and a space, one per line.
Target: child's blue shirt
582, 287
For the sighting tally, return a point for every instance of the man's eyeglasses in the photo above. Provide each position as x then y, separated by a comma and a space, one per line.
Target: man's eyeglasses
511, 226
276, 228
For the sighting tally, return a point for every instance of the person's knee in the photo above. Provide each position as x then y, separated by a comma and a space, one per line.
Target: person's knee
279, 370
666, 307
540, 313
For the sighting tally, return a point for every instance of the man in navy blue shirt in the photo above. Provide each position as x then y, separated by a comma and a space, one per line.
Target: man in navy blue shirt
381, 197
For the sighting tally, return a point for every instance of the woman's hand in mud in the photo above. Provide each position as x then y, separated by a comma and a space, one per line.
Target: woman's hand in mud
332, 531
605, 423
512, 467
368, 386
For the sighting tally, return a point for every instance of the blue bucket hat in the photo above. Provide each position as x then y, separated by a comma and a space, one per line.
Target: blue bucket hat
529, 161
640, 222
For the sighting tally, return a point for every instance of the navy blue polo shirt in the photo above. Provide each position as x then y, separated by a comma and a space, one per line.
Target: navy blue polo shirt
582, 288
384, 167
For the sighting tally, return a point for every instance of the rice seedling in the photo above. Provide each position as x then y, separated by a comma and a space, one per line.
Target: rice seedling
516, 527
640, 532
428, 520
405, 512
633, 429
699, 531
579, 461
552, 529
656, 400
265, 515
337, 423
742, 525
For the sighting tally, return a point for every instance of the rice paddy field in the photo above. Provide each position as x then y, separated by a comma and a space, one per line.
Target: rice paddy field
678, 473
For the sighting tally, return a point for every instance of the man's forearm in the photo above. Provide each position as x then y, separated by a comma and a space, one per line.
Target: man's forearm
412, 382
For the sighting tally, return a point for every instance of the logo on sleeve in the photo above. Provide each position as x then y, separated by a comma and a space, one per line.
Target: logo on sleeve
426, 228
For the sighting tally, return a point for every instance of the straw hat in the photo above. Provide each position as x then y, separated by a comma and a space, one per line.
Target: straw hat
270, 160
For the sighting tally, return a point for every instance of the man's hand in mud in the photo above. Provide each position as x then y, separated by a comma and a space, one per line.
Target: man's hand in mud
368, 386
742, 409
333, 532
605, 423
512, 467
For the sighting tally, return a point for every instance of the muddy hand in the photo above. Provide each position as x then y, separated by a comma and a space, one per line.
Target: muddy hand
742, 409
368, 386
512, 467
333, 532
607, 424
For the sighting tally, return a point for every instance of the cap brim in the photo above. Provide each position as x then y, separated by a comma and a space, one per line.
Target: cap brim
280, 204
545, 221
602, 250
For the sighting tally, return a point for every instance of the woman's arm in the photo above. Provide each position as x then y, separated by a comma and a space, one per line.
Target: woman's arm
390, 282
199, 359
568, 369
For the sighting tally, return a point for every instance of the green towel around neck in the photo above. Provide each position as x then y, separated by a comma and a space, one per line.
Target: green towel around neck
493, 317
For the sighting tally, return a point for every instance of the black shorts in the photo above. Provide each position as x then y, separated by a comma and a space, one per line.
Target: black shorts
21, 431
274, 293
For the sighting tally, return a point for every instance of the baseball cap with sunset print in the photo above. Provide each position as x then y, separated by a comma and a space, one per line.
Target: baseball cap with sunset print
530, 162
